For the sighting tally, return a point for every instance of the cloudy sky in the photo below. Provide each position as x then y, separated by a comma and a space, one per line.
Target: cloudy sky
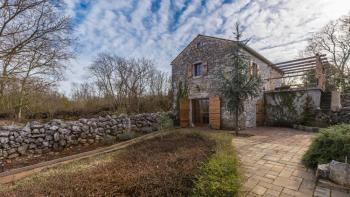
160, 29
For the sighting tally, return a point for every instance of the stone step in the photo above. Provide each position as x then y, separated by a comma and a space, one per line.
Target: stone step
330, 185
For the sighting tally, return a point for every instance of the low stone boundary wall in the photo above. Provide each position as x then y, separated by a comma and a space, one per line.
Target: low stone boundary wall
330, 117
37, 138
19, 173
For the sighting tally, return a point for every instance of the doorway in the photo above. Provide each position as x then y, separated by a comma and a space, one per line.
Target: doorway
260, 113
200, 112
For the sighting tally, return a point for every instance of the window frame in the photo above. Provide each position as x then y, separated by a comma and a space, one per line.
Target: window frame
195, 65
254, 69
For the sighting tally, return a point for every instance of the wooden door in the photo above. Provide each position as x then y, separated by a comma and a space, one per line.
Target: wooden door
260, 113
184, 112
200, 112
214, 112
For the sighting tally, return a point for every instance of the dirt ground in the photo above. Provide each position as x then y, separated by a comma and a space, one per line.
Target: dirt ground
159, 167
34, 159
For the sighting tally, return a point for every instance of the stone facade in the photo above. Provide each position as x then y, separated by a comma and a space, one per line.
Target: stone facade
216, 53
37, 138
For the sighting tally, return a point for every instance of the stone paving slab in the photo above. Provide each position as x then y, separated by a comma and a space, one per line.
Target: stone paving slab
271, 160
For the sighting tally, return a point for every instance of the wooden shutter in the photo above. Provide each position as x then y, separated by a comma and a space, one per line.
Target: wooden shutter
205, 68
184, 112
189, 70
260, 113
214, 112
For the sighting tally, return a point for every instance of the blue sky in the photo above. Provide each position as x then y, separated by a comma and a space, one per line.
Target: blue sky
160, 29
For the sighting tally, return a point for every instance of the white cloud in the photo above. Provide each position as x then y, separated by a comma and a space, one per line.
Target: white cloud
129, 28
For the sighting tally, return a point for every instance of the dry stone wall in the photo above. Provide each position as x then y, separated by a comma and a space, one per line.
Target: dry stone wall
345, 100
38, 138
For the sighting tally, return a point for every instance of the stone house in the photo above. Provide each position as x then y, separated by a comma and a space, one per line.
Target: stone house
203, 105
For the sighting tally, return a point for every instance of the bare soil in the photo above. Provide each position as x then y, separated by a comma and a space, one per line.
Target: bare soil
34, 159
159, 167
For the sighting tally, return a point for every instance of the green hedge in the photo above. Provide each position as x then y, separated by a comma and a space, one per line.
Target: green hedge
332, 143
219, 176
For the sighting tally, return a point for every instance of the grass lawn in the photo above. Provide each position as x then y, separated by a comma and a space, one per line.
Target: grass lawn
182, 163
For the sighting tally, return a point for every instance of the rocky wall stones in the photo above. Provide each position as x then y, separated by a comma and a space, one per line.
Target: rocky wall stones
337, 172
38, 138
330, 117
345, 100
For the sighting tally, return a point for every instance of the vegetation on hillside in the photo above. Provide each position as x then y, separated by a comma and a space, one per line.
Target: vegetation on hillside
332, 143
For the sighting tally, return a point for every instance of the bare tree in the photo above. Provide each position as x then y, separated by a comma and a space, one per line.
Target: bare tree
127, 81
34, 39
334, 41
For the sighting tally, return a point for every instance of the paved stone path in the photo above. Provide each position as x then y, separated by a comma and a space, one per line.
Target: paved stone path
271, 160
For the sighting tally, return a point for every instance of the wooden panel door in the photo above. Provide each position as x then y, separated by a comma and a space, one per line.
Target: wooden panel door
200, 112
260, 113
214, 112
184, 112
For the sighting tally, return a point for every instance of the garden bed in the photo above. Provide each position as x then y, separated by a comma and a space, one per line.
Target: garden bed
177, 164
34, 159
167, 166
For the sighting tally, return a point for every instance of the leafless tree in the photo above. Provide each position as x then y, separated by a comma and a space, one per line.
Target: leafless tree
127, 81
34, 39
334, 40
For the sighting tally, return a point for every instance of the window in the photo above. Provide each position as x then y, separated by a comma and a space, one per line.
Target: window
253, 69
198, 69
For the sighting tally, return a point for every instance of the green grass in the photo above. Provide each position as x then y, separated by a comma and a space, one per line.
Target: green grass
220, 175
332, 143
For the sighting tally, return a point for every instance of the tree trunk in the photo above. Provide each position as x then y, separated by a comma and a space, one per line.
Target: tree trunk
20, 108
236, 129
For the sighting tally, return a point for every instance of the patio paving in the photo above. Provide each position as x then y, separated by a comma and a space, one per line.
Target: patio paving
271, 160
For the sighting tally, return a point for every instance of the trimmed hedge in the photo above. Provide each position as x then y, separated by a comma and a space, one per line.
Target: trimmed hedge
332, 143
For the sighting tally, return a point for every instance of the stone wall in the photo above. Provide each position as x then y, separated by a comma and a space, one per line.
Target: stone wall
345, 100
333, 117
342, 115
286, 107
37, 138
217, 54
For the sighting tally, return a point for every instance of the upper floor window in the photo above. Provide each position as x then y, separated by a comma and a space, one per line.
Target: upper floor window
254, 69
198, 69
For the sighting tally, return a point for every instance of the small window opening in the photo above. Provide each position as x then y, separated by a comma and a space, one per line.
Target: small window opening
254, 69
198, 69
